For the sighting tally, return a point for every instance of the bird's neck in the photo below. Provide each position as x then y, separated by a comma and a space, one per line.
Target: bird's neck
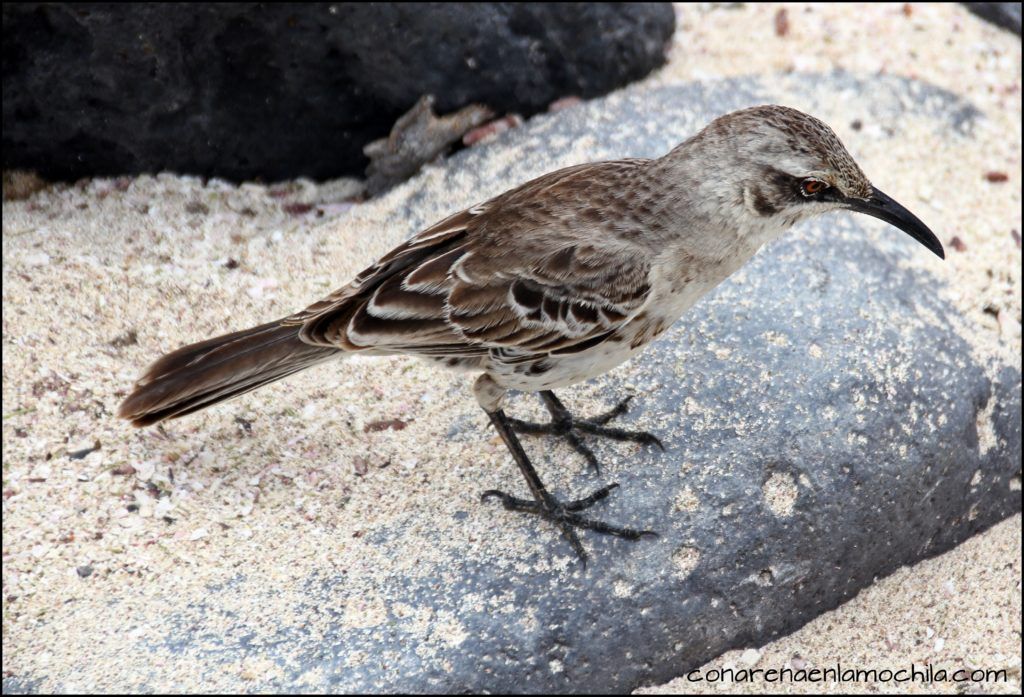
704, 216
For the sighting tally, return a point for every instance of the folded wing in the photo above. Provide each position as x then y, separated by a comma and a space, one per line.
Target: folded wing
516, 277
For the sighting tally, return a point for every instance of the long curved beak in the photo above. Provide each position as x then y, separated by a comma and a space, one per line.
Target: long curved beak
881, 206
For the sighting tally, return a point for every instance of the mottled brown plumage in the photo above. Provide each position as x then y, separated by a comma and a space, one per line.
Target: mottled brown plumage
553, 282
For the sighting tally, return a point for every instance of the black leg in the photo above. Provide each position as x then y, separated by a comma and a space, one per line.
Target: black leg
563, 425
564, 515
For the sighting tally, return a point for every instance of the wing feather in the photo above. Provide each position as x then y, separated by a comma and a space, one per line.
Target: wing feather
520, 275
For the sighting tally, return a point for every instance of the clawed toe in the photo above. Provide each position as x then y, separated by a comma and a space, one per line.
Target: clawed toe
618, 410
511, 503
563, 425
566, 516
588, 501
605, 529
642, 437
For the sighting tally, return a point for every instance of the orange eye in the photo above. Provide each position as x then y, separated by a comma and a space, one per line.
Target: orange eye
813, 186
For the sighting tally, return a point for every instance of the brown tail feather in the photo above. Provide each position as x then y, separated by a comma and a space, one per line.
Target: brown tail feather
199, 375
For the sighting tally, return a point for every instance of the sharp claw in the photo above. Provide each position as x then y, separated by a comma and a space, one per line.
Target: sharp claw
577, 444
564, 426
577, 547
565, 516
617, 411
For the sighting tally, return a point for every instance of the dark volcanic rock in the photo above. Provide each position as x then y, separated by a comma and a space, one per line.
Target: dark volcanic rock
826, 419
278, 91
1002, 14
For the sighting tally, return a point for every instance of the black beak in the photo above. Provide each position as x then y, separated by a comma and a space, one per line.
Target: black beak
884, 208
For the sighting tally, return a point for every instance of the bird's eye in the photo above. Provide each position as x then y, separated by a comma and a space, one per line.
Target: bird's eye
811, 187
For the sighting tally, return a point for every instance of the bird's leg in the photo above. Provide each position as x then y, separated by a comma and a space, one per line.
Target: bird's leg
564, 425
565, 515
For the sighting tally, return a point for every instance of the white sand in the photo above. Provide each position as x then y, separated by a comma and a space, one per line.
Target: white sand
100, 277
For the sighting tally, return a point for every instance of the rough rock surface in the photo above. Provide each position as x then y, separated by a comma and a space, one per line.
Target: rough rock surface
282, 91
1003, 14
827, 420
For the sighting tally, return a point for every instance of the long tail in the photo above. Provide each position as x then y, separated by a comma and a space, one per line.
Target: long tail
199, 375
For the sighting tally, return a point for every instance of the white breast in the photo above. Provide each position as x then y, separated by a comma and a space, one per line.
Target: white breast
676, 285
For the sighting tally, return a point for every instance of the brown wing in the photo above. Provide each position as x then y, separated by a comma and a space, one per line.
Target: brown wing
535, 270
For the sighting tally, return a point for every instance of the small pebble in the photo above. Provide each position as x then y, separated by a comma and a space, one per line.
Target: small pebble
384, 424
144, 471
297, 208
781, 22
564, 103
750, 657
129, 338
492, 130
80, 453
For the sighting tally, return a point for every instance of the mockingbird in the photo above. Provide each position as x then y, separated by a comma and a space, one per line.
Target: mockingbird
554, 282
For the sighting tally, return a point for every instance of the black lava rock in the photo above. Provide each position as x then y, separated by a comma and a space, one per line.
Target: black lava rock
278, 91
1002, 14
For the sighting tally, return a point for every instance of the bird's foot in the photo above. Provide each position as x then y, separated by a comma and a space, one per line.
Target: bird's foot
564, 425
566, 515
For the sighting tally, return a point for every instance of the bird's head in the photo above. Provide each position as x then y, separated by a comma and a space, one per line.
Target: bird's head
795, 167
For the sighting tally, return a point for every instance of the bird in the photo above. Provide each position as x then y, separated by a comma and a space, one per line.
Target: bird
552, 283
